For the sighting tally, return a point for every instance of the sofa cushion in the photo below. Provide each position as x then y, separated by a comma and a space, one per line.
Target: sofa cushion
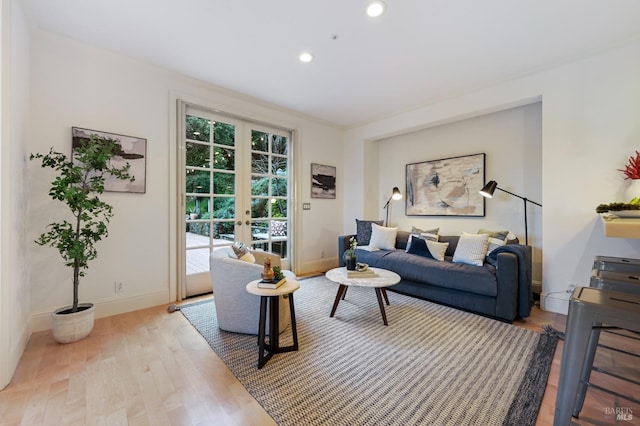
363, 230
472, 249
437, 249
382, 237
457, 276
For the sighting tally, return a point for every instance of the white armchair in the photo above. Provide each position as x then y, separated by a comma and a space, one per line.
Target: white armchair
238, 311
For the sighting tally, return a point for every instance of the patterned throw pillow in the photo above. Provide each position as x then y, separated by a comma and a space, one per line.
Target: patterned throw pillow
363, 231
496, 238
471, 249
429, 234
240, 251
436, 249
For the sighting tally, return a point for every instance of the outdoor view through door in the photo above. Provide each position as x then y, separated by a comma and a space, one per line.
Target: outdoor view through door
237, 180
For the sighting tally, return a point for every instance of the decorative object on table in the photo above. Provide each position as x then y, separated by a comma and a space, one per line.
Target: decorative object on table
395, 195
79, 182
488, 190
129, 150
632, 171
351, 255
323, 181
447, 187
267, 273
361, 267
277, 280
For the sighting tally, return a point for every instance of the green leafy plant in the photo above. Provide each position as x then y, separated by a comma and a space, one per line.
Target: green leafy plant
78, 181
277, 273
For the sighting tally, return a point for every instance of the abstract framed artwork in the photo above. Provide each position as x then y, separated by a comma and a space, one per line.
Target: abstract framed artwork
447, 187
323, 181
133, 150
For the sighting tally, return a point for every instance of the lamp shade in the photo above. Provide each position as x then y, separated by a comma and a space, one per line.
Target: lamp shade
489, 189
396, 193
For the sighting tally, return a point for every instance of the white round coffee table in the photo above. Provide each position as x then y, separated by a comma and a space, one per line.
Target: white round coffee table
379, 282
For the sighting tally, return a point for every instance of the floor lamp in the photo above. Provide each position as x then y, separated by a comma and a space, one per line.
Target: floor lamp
489, 189
395, 195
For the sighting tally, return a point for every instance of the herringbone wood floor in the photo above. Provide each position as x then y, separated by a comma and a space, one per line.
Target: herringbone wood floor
151, 367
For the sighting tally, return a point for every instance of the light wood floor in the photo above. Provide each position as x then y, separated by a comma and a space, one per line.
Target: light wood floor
151, 367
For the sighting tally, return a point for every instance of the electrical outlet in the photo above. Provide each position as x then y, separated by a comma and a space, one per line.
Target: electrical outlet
306, 206
118, 287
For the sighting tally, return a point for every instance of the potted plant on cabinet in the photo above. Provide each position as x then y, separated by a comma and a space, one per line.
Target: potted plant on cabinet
351, 254
78, 182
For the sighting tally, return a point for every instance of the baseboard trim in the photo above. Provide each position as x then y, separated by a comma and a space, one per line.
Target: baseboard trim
318, 265
42, 320
555, 302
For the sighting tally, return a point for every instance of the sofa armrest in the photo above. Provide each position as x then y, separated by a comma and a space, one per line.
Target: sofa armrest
509, 278
343, 244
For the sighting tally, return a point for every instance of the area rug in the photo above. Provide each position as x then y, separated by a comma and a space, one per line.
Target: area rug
431, 365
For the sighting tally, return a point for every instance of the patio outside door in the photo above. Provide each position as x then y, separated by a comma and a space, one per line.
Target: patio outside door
236, 188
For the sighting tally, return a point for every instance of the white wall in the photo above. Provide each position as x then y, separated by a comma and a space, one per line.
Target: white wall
512, 142
74, 84
14, 120
590, 110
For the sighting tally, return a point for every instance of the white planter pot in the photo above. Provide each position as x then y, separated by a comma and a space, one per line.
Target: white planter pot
68, 328
632, 191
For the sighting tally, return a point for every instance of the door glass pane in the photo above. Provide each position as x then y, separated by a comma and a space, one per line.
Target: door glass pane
260, 185
259, 230
224, 207
197, 181
278, 208
197, 155
224, 158
224, 231
224, 183
198, 129
259, 208
224, 134
279, 166
279, 144
259, 141
278, 187
259, 163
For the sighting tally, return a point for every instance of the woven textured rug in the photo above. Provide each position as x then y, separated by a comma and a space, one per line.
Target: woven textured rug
431, 365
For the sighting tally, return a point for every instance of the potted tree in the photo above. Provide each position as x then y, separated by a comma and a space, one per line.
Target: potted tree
78, 182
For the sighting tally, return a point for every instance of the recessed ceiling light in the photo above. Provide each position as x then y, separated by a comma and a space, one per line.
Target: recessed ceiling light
375, 8
306, 57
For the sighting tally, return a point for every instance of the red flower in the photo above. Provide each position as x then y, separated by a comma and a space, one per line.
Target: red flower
632, 170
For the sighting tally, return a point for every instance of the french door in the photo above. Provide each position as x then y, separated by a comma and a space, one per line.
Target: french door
237, 187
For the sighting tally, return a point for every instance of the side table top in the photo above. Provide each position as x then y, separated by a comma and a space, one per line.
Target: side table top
289, 286
385, 278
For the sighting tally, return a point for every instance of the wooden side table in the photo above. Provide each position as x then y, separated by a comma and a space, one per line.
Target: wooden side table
273, 297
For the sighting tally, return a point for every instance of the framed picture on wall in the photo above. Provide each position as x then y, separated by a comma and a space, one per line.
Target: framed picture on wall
133, 150
447, 187
323, 181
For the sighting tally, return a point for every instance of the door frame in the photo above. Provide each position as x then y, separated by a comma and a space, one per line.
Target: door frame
177, 236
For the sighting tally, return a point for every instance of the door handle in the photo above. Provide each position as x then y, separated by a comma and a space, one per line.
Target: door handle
248, 222
239, 222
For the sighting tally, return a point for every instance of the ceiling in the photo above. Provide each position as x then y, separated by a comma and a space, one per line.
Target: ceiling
419, 52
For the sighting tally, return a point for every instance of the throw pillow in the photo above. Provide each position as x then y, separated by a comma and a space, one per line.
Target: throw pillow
471, 249
363, 230
383, 238
496, 238
419, 247
239, 250
437, 249
429, 234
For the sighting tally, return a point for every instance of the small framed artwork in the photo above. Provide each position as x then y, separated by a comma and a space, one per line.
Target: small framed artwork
447, 187
133, 150
323, 181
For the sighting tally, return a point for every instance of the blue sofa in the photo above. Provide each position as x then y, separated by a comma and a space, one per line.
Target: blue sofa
500, 288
